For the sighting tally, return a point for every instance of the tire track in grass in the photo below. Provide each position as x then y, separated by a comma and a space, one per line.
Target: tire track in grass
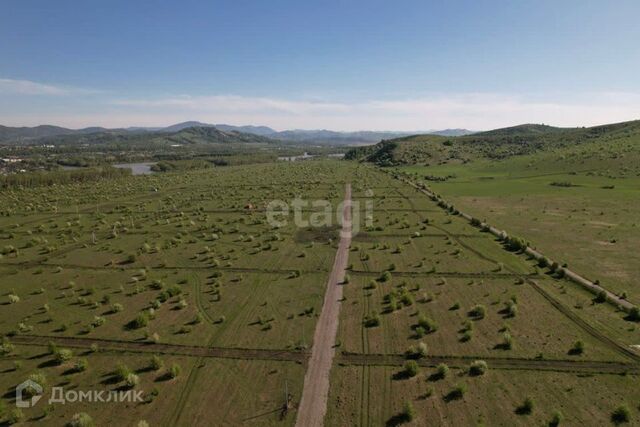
188, 388
366, 371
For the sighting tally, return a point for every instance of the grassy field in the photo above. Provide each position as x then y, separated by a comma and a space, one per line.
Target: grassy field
581, 215
452, 295
185, 266
170, 262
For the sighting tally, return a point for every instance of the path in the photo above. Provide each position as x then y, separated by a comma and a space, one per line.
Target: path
315, 392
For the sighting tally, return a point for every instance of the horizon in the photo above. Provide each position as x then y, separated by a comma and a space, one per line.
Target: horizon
341, 67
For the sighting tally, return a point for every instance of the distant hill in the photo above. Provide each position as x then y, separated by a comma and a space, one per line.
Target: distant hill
42, 131
317, 137
451, 132
496, 144
190, 135
256, 130
526, 129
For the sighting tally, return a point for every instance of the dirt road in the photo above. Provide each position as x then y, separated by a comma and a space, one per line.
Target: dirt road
315, 392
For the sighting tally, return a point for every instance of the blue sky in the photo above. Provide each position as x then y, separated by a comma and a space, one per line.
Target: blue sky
345, 65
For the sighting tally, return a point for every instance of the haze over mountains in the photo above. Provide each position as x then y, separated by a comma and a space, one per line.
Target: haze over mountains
24, 134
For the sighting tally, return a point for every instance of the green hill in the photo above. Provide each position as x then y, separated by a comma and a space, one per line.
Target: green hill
187, 136
501, 144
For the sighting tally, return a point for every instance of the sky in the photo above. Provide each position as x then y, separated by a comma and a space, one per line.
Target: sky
310, 64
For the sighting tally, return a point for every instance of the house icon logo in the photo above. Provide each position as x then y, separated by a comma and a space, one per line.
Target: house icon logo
28, 393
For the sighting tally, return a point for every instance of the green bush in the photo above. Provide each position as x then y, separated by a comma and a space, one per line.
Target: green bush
577, 348
556, 419
601, 297
621, 415
428, 324
478, 311
408, 412
478, 367
442, 370
174, 371
411, 368
527, 407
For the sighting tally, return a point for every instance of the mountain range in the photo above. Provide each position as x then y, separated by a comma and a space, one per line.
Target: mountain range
28, 134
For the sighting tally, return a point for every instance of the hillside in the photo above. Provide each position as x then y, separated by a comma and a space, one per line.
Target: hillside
192, 135
496, 144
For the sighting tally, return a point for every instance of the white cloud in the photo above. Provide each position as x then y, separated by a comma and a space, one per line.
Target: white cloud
472, 111
477, 111
28, 87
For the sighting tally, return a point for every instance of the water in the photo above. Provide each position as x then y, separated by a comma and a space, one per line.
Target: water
137, 168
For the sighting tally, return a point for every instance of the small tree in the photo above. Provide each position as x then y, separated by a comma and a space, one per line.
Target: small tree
174, 371
408, 412
81, 365
411, 368
457, 392
577, 348
122, 372
156, 363
442, 370
478, 311
601, 297
132, 380
478, 367
556, 419
621, 415
63, 355
527, 407
428, 324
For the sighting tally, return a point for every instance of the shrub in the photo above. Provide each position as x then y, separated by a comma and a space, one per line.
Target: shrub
122, 372
141, 320
601, 297
408, 412
577, 348
63, 355
457, 392
442, 370
385, 277
507, 341
411, 368
556, 419
428, 324
621, 415
478, 311
37, 377
15, 416
478, 367
81, 419
81, 365
422, 350
174, 371
132, 380
98, 321
527, 407
372, 321
117, 308
511, 309
634, 314
156, 363
6, 347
